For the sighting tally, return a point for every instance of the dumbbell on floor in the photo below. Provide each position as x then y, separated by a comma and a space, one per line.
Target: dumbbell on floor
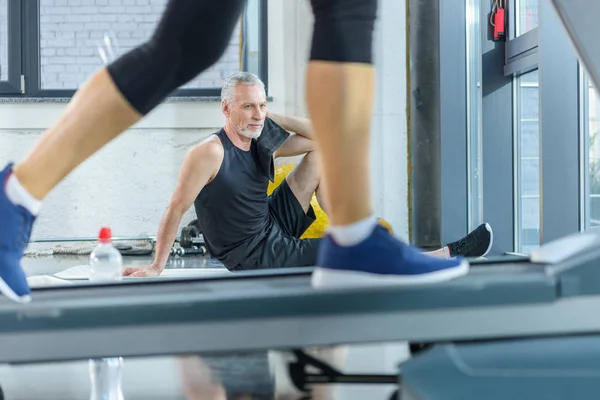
180, 251
190, 236
190, 242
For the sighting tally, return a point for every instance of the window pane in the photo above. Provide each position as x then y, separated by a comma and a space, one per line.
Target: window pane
530, 180
530, 227
529, 106
528, 161
3, 40
531, 77
252, 35
593, 148
527, 17
594, 219
77, 38
529, 139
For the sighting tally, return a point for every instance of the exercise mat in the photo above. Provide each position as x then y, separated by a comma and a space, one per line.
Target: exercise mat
137, 247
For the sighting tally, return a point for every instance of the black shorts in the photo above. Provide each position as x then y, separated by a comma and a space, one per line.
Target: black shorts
282, 246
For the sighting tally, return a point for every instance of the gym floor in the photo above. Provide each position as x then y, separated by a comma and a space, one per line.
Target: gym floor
259, 376
49, 265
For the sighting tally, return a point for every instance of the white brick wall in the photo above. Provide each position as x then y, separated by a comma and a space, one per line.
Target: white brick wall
3, 40
125, 186
73, 31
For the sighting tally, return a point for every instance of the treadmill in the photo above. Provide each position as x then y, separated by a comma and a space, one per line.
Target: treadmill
509, 318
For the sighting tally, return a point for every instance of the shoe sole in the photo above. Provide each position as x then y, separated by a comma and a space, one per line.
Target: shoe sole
8, 292
489, 229
330, 278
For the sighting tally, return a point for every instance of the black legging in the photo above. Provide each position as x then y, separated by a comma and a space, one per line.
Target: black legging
192, 35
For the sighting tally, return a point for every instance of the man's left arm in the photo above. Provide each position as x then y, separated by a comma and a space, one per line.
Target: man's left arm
301, 141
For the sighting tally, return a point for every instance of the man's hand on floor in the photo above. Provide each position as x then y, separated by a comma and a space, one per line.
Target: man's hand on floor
138, 272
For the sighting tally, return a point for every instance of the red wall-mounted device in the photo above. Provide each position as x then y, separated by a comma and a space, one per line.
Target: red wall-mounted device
499, 25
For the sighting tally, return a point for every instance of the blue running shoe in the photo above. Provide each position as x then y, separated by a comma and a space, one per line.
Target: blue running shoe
381, 259
15, 230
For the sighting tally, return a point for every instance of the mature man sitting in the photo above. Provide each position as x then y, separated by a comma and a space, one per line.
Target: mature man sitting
226, 177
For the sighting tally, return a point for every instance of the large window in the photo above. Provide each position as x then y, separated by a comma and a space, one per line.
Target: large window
67, 40
591, 149
528, 161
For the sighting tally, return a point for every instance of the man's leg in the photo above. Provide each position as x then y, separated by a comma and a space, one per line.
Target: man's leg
443, 253
289, 204
340, 86
292, 214
304, 181
106, 105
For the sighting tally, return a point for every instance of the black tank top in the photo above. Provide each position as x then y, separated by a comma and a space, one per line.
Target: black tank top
232, 210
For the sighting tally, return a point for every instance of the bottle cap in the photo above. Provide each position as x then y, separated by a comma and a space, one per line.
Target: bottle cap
105, 235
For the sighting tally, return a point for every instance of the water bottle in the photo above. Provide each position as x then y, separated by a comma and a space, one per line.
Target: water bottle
105, 378
106, 262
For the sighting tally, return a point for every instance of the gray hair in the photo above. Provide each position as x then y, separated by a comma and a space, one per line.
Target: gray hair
245, 78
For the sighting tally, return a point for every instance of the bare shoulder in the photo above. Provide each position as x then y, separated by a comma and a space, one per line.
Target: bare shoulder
210, 150
203, 161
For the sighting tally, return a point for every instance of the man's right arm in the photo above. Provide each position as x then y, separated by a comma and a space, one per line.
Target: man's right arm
199, 167
300, 142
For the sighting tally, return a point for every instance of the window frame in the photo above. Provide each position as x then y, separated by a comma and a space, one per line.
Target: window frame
13, 85
28, 22
584, 149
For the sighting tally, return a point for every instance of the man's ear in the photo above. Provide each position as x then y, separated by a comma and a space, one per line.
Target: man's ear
225, 108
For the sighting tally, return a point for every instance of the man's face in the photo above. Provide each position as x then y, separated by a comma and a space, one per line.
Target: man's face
247, 111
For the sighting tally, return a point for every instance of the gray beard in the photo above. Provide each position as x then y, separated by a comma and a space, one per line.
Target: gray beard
250, 134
